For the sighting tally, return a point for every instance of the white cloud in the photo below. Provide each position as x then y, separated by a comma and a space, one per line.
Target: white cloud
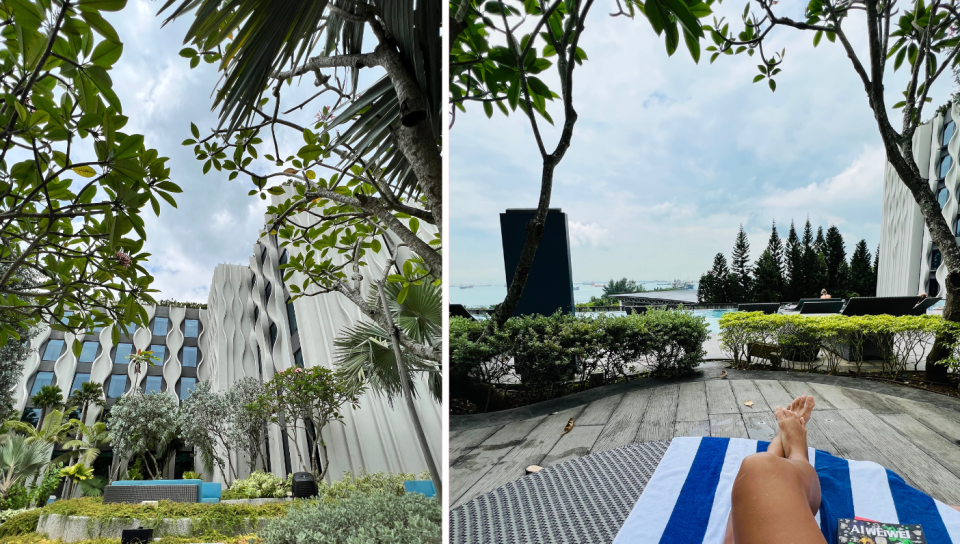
587, 234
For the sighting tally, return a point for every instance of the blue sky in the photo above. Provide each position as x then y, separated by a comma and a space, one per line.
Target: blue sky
668, 157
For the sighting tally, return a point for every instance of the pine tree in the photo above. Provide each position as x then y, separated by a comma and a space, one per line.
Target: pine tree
767, 279
819, 243
861, 280
793, 265
705, 288
810, 282
835, 255
740, 267
720, 293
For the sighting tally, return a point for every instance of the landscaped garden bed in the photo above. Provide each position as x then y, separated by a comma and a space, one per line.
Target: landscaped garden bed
536, 358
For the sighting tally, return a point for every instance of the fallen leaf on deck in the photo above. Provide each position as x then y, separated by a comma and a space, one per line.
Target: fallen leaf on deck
749, 403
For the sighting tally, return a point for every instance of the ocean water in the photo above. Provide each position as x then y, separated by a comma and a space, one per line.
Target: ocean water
489, 295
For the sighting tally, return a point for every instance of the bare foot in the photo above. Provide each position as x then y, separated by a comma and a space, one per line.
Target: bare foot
793, 434
803, 405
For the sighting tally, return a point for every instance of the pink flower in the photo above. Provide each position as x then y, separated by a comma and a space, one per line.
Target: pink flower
124, 259
298, 370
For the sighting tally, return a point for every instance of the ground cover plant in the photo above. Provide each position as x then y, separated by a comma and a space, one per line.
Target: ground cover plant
532, 358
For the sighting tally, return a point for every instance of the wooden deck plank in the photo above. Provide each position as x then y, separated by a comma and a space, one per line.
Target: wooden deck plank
465, 441
692, 428
939, 448
773, 393
829, 431
720, 399
477, 463
906, 459
746, 390
727, 425
573, 445
621, 429
534, 448
944, 422
795, 389
878, 404
760, 425
658, 422
835, 395
598, 412
692, 405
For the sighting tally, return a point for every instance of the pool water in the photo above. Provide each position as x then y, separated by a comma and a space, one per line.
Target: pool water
713, 319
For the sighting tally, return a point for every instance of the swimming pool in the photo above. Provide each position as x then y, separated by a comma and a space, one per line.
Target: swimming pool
713, 319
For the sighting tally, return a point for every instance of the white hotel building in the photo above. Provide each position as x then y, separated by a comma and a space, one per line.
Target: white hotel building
910, 262
249, 328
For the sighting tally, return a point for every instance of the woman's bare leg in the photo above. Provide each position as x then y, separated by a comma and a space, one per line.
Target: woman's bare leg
775, 498
802, 405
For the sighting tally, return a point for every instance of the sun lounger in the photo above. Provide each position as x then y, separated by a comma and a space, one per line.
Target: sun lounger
824, 306
925, 304
765, 307
894, 306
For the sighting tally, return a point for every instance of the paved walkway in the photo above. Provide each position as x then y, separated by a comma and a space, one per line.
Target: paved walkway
912, 432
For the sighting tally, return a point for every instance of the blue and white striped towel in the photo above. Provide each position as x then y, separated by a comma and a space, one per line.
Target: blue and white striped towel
688, 498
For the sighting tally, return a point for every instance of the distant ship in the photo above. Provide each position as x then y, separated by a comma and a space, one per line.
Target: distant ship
680, 284
576, 288
466, 286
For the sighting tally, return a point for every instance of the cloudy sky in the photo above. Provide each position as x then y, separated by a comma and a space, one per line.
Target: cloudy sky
668, 157
216, 222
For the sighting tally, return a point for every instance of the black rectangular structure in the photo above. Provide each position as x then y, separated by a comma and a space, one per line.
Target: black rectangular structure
550, 285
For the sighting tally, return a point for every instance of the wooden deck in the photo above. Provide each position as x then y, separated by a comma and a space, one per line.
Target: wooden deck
915, 439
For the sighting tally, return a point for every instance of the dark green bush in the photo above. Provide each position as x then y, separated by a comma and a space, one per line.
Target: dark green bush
21, 524
543, 351
377, 518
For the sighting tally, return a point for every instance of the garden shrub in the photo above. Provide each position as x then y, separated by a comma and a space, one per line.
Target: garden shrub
899, 340
25, 522
7, 514
259, 485
545, 352
377, 518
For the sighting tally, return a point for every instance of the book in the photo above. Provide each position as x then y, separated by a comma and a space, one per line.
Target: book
864, 531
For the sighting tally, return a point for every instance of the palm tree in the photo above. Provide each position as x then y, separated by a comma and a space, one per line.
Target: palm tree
85, 449
368, 354
55, 429
20, 459
90, 393
49, 396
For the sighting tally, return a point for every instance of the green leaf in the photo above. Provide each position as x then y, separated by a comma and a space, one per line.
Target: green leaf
194, 130
773, 85
129, 147
98, 23
106, 53
102, 5
488, 109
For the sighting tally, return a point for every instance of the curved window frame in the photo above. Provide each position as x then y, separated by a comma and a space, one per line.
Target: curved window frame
268, 291
190, 390
166, 326
941, 173
274, 334
943, 196
292, 316
196, 356
933, 287
149, 381
34, 389
86, 348
196, 328
46, 349
944, 139
936, 259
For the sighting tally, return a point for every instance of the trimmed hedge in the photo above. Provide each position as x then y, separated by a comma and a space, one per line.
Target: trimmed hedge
542, 352
896, 341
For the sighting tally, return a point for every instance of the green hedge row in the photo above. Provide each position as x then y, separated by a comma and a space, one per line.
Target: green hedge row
537, 352
895, 341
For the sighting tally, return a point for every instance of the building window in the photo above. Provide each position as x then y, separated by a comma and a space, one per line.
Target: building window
267, 291
53, 351
187, 385
160, 326
31, 416
273, 334
158, 352
942, 196
935, 259
152, 384
129, 329
190, 356
948, 130
253, 282
78, 381
259, 361
42, 379
292, 315
263, 255
945, 163
284, 258
298, 358
191, 328
933, 287
117, 387
89, 352
123, 351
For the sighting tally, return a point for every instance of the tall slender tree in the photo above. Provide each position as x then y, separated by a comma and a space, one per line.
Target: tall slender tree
819, 243
768, 280
835, 255
721, 274
861, 280
793, 264
740, 267
812, 281
775, 247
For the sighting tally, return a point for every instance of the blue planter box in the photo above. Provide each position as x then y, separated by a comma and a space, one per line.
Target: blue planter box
424, 487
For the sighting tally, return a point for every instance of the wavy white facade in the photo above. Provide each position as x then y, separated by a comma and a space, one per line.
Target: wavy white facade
247, 330
910, 263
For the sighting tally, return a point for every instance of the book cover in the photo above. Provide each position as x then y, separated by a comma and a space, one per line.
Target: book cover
863, 531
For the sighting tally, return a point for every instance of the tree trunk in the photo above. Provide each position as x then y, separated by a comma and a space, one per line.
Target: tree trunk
408, 396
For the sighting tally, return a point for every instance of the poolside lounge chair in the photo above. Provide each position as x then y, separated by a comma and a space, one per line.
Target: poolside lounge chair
825, 306
925, 304
895, 306
765, 307
459, 310
803, 301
